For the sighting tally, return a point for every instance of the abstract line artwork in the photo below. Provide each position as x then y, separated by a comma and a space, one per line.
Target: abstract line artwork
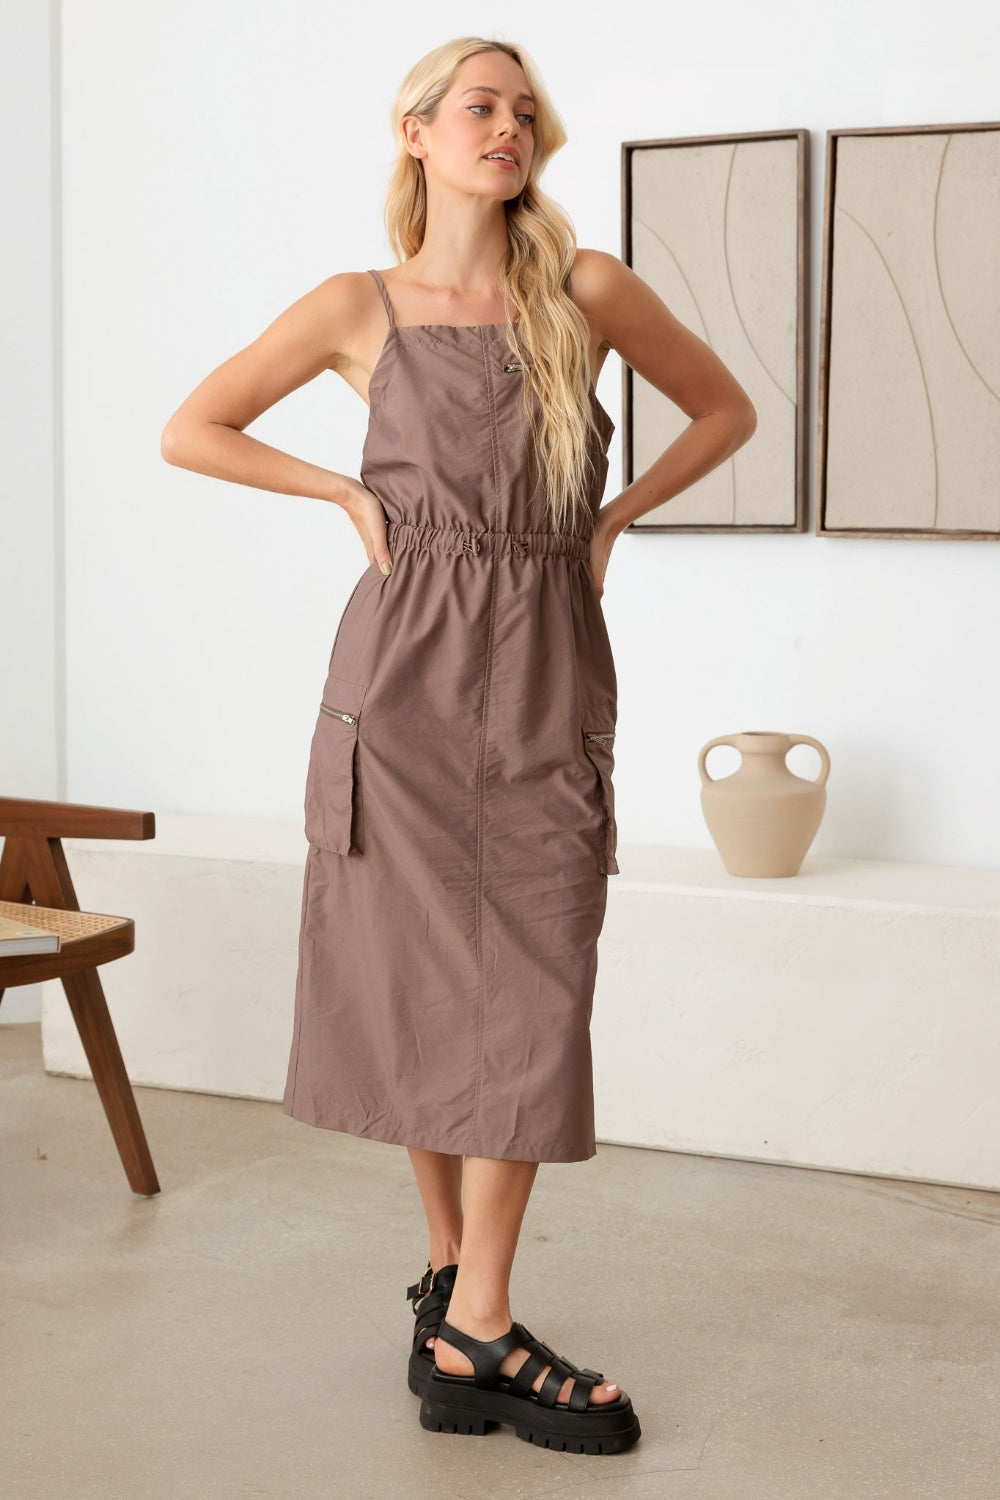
910, 374
718, 228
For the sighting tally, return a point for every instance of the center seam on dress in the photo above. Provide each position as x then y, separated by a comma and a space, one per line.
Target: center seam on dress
480, 787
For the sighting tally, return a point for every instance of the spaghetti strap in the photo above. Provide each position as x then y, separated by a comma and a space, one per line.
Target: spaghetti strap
385, 297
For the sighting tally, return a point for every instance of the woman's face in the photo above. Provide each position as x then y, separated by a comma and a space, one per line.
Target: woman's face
487, 110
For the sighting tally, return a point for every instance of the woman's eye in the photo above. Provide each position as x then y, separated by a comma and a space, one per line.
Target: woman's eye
528, 119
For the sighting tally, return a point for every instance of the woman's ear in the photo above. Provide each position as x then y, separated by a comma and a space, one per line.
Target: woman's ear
411, 134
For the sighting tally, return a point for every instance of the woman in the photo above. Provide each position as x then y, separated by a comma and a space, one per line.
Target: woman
459, 802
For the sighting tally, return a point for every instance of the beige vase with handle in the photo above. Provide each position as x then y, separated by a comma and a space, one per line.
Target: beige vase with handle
763, 817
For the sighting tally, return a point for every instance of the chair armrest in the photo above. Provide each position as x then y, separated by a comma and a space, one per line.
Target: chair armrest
25, 816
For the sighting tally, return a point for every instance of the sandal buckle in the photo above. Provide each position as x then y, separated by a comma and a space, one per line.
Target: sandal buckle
420, 1288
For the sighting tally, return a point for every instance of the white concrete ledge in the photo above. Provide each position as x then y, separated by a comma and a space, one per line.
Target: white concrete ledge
844, 1018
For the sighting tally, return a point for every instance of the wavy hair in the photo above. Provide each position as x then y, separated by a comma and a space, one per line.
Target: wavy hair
551, 337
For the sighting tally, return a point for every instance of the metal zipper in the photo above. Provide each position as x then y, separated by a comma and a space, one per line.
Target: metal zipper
337, 713
510, 368
593, 735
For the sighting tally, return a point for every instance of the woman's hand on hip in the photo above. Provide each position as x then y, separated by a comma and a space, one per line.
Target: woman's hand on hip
365, 510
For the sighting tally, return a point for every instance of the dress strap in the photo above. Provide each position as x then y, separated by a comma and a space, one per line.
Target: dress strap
385, 297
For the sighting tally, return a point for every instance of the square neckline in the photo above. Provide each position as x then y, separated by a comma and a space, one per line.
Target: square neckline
391, 311
395, 327
458, 326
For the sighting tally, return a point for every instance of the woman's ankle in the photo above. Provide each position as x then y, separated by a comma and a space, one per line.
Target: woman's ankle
444, 1253
479, 1324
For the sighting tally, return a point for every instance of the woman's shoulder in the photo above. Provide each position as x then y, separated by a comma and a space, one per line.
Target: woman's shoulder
594, 282
347, 293
594, 273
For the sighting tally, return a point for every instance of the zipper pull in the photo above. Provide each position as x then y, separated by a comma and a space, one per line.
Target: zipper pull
336, 713
510, 368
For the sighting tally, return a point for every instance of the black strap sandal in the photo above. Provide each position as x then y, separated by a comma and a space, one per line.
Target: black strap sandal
430, 1297
474, 1403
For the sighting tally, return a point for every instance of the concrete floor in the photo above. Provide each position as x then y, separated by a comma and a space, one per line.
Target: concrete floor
781, 1332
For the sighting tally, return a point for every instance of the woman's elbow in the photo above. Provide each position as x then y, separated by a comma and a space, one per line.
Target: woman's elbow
743, 415
171, 445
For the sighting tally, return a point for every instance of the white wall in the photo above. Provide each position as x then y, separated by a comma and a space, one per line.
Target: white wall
32, 618
217, 162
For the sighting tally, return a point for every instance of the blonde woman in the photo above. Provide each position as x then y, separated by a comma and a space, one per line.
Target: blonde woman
459, 803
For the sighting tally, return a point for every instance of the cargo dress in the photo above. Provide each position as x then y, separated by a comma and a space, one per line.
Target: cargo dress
459, 803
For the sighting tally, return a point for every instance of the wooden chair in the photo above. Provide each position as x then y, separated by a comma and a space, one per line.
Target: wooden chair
35, 885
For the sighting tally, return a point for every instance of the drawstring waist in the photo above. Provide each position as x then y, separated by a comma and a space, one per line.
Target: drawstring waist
456, 541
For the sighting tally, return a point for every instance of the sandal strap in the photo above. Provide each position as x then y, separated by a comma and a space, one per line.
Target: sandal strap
428, 1318
486, 1355
441, 1281
522, 1382
429, 1306
430, 1309
422, 1287
560, 1371
580, 1394
541, 1354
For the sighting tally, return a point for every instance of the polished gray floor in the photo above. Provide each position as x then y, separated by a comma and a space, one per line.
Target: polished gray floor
782, 1333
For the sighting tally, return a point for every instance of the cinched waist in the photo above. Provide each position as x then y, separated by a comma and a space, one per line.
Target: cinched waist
456, 541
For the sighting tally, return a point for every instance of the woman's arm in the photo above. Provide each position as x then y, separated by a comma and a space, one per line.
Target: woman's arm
630, 318
326, 329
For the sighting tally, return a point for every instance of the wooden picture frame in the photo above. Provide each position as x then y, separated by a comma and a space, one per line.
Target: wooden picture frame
909, 380
718, 226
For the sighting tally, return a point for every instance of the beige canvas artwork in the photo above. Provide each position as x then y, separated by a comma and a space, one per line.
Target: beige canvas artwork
910, 382
718, 228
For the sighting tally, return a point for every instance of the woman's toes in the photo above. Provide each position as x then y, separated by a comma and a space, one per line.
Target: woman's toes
599, 1393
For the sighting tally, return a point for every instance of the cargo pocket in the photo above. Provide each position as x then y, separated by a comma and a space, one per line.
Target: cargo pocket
599, 745
334, 812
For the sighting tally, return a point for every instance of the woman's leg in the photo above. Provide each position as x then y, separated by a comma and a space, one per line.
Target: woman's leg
496, 1196
439, 1182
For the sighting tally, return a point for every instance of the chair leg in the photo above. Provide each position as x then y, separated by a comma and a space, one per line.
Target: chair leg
97, 1033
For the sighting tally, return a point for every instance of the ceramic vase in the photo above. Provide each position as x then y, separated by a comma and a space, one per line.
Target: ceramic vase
763, 817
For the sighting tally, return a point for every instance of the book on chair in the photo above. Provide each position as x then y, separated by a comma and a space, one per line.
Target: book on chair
21, 937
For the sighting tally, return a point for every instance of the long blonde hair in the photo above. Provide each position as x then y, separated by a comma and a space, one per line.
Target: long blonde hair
551, 337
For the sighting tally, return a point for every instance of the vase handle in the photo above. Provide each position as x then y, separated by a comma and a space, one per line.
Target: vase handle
724, 739
824, 770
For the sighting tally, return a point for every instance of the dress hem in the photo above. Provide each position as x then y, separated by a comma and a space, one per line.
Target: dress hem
446, 1143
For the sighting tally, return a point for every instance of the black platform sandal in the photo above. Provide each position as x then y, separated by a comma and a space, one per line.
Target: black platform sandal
430, 1297
474, 1403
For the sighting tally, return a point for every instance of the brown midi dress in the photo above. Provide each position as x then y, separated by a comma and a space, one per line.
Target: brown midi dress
459, 806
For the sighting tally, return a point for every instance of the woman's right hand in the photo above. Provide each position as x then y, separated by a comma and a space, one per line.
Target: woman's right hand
365, 510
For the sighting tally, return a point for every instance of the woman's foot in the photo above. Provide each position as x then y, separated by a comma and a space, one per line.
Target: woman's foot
453, 1362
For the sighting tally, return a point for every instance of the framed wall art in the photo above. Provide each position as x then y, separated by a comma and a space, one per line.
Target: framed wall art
718, 226
909, 386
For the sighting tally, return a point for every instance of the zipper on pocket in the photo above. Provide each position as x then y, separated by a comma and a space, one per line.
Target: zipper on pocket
594, 735
337, 713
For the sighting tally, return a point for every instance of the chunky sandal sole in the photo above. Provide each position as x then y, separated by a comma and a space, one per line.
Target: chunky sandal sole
430, 1297
456, 1404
